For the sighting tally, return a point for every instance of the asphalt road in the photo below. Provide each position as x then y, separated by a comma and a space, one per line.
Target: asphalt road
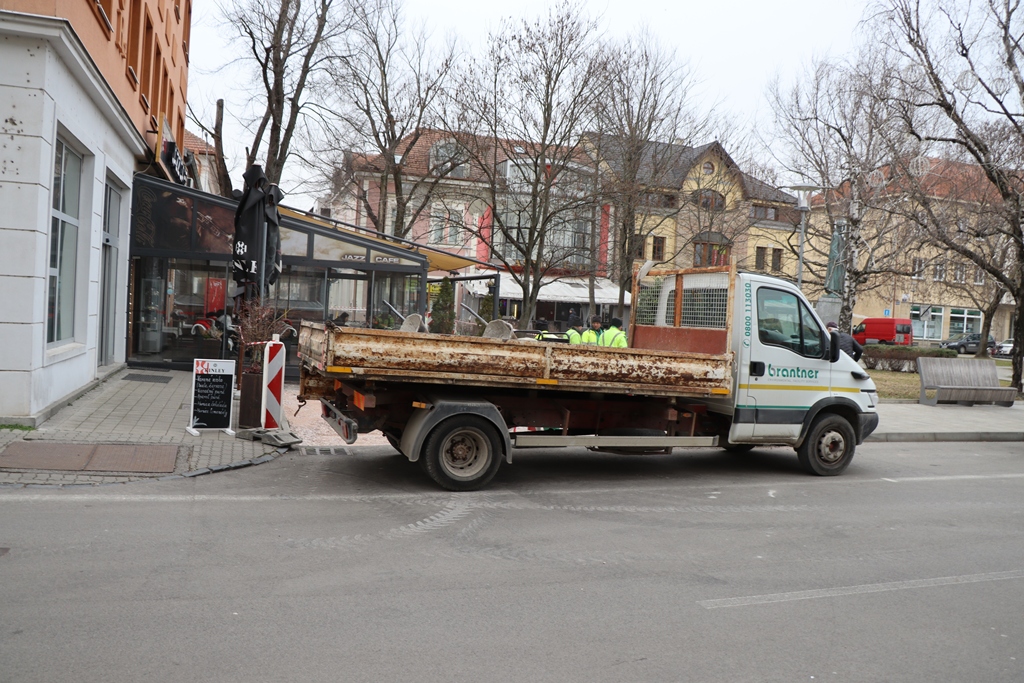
572, 566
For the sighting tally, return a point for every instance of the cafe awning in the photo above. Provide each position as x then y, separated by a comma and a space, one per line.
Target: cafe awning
560, 290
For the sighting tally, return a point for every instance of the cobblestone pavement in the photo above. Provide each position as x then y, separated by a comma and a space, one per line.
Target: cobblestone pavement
133, 406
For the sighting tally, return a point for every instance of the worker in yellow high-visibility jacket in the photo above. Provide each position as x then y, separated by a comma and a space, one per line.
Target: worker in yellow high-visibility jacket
575, 331
593, 335
614, 337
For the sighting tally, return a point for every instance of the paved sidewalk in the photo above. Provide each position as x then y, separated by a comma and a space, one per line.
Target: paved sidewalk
915, 422
141, 406
134, 406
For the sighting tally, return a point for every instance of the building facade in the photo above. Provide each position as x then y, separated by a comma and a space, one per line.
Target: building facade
91, 92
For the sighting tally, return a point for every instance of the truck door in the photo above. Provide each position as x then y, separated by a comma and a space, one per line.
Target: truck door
789, 366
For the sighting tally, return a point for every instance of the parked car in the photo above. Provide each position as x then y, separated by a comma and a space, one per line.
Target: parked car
967, 343
1004, 348
885, 331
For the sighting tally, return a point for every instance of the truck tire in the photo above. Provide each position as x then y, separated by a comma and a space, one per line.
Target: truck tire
462, 453
828, 447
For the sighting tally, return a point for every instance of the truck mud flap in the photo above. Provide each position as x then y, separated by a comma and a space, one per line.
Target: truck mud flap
346, 427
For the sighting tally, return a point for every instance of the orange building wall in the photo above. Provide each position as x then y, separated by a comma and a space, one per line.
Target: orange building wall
121, 41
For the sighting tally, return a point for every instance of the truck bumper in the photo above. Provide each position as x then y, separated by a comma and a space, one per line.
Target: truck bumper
868, 424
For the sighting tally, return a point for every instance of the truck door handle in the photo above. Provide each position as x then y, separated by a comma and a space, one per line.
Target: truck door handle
756, 369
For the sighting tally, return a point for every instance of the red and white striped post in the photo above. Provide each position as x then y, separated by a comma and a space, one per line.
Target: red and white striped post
273, 384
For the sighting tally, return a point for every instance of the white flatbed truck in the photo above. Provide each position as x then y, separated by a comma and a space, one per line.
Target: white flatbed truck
715, 358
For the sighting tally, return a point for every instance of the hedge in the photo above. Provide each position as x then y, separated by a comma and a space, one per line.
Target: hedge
900, 358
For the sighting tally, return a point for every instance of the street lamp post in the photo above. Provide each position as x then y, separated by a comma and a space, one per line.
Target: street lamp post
803, 198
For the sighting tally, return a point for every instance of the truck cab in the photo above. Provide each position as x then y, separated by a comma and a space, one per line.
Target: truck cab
792, 383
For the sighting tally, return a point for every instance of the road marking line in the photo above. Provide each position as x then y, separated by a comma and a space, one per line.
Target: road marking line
957, 477
859, 590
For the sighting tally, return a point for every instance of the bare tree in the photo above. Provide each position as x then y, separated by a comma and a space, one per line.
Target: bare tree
524, 106
835, 127
383, 91
962, 89
644, 132
287, 42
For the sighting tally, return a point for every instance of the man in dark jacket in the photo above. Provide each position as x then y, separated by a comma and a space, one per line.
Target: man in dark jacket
846, 342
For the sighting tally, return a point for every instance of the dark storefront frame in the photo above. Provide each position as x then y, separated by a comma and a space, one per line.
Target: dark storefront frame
179, 228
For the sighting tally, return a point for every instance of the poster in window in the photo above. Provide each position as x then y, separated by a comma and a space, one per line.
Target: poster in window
161, 219
215, 226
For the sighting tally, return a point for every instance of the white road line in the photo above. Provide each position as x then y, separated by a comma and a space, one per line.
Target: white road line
958, 477
859, 590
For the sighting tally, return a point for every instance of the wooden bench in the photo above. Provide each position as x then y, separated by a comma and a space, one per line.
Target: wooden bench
965, 381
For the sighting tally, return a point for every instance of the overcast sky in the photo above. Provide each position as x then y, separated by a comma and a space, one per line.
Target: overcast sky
735, 47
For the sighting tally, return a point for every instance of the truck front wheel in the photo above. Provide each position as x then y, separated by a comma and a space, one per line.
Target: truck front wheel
828, 447
462, 453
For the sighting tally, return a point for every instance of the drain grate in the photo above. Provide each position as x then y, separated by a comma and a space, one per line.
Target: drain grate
322, 450
133, 377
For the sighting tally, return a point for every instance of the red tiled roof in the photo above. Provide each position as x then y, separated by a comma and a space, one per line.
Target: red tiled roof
196, 144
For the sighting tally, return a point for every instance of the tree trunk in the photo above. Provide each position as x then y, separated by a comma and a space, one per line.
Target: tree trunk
223, 176
986, 325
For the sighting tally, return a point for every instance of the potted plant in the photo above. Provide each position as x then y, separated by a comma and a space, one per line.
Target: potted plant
256, 324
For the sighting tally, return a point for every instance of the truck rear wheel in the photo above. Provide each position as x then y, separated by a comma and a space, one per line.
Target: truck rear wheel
828, 448
462, 453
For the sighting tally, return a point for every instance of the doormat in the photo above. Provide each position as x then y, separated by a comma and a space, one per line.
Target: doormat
76, 457
134, 377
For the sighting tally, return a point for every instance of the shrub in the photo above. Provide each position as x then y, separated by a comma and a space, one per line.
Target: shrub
900, 358
442, 310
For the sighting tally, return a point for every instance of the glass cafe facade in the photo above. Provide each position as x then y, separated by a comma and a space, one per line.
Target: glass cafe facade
179, 298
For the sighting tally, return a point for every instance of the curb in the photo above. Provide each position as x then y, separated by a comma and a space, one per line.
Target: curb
912, 437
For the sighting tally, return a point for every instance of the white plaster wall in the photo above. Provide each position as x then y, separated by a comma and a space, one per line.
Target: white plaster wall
40, 98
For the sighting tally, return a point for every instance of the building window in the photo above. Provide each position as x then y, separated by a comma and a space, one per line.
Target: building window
659, 200
446, 226
449, 159
939, 272
658, 249
134, 34
979, 276
760, 258
709, 200
917, 269
708, 168
146, 77
640, 244
964, 321
711, 249
927, 321
64, 224
960, 273
777, 260
762, 212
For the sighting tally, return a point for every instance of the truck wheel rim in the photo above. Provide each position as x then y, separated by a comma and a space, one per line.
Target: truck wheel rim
831, 447
464, 454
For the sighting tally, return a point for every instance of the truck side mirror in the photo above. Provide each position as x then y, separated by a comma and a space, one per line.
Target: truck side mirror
833, 346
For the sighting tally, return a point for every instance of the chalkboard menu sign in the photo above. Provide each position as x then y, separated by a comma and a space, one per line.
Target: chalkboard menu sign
213, 383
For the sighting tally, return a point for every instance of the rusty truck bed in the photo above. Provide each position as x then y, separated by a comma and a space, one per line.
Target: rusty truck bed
405, 357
